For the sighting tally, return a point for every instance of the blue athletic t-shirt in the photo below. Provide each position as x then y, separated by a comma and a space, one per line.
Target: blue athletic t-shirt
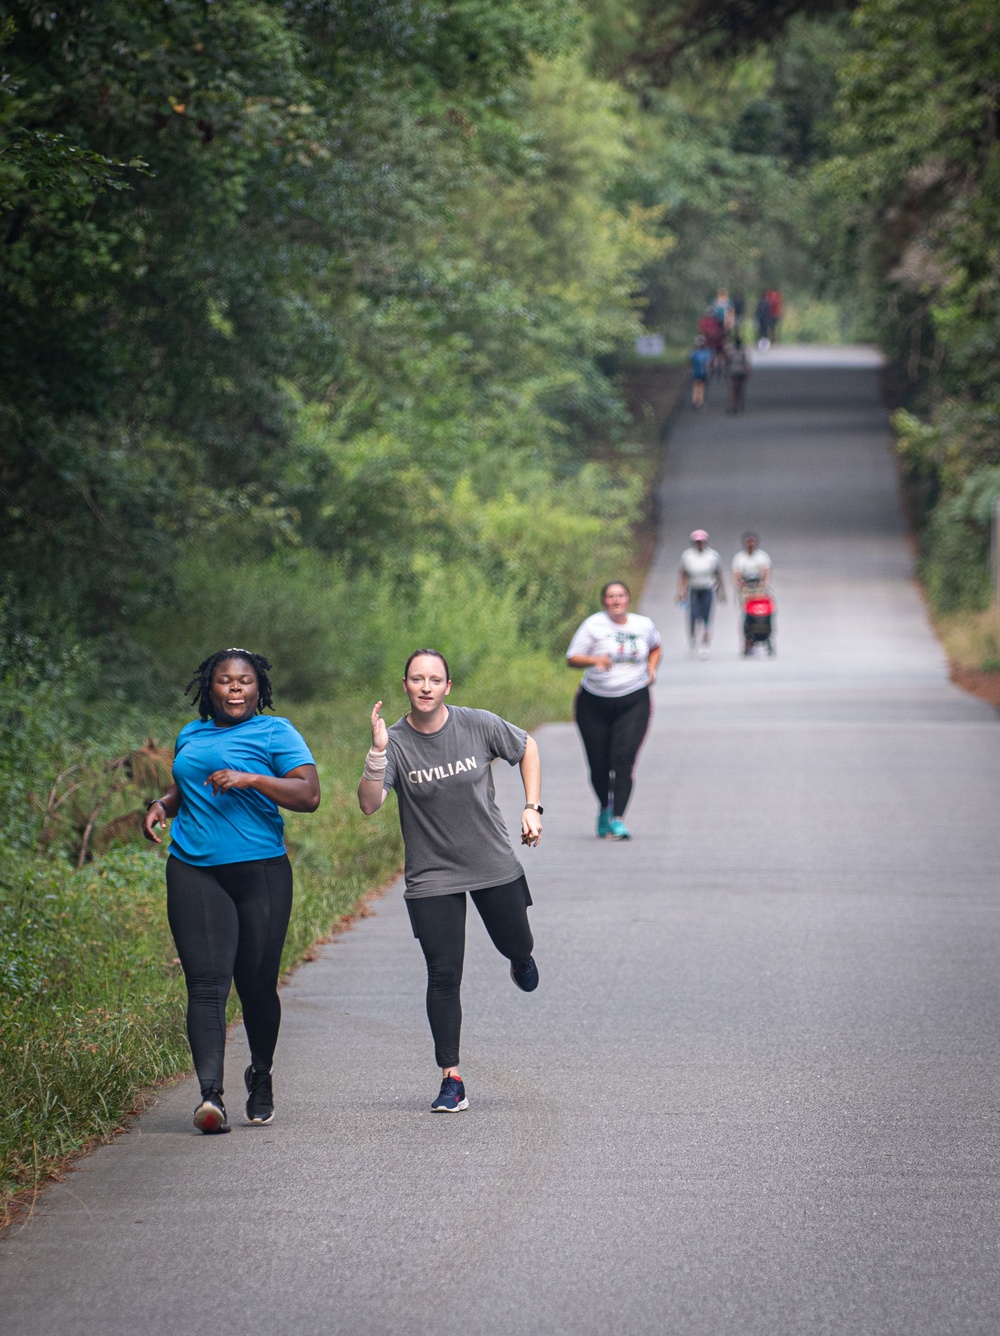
242, 825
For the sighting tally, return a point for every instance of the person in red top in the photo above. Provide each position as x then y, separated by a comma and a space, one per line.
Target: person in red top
776, 304
711, 329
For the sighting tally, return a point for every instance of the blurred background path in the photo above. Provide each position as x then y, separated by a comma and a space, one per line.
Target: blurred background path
757, 1091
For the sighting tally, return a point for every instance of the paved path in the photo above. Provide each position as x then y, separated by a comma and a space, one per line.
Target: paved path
757, 1092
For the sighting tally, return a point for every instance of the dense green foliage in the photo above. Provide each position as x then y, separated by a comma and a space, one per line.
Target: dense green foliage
915, 195
351, 291
316, 315
309, 317
90, 987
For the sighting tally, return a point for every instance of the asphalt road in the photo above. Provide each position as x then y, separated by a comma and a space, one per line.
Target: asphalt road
757, 1091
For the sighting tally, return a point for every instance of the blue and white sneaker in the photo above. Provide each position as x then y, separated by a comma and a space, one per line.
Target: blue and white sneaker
451, 1098
619, 830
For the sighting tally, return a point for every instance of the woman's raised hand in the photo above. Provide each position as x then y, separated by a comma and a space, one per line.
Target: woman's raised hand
380, 734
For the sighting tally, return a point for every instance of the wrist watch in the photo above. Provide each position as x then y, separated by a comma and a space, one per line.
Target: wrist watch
534, 808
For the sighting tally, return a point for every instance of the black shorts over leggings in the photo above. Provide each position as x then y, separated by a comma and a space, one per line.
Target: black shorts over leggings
438, 923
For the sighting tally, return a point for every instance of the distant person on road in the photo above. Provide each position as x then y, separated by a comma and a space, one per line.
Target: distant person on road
701, 367
738, 372
229, 881
723, 309
777, 308
698, 581
621, 652
438, 759
765, 322
751, 566
710, 328
752, 577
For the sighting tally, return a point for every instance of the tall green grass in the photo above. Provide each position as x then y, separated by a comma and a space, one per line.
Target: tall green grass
91, 994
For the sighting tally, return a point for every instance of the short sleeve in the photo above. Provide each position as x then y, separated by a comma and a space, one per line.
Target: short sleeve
654, 637
583, 640
505, 740
389, 778
287, 748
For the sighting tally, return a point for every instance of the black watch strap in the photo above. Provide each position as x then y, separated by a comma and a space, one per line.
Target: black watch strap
534, 808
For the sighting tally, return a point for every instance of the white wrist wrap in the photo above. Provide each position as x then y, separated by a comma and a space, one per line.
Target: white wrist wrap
375, 764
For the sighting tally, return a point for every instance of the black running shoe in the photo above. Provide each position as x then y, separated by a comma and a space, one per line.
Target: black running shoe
525, 975
260, 1105
451, 1098
210, 1115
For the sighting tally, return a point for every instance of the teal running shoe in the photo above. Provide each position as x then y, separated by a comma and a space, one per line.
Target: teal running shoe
604, 823
619, 830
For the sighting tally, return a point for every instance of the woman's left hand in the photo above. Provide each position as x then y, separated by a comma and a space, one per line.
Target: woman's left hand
224, 780
531, 827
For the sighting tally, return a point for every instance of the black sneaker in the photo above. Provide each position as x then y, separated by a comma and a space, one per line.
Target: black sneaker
260, 1105
210, 1115
451, 1098
525, 975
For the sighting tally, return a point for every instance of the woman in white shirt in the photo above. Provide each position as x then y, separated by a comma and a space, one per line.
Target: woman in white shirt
698, 581
621, 652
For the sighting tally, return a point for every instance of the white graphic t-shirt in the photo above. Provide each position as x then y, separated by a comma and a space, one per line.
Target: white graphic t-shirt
628, 645
454, 834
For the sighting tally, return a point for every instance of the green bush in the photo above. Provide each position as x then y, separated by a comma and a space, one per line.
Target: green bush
955, 561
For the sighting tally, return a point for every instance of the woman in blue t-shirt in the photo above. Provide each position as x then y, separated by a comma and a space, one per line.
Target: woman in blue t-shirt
229, 881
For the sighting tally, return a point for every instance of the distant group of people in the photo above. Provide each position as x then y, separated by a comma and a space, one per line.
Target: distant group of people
768, 313
699, 582
719, 348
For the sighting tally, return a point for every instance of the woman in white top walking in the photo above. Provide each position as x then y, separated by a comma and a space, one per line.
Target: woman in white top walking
621, 652
699, 578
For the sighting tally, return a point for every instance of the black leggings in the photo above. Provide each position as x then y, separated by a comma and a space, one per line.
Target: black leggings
612, 728
438, 923
229, 923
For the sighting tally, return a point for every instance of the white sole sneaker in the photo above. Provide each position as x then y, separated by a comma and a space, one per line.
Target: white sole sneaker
210, 1118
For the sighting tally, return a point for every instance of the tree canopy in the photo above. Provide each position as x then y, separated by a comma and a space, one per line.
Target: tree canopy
337, 288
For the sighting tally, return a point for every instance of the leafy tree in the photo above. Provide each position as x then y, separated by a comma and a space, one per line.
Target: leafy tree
919, 172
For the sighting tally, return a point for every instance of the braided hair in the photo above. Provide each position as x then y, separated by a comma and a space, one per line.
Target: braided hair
202, 680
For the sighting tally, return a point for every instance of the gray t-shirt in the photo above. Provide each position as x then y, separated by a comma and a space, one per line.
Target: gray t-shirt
454, 834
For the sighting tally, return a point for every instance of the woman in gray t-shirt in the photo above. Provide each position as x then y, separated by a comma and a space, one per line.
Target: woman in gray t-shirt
438, 759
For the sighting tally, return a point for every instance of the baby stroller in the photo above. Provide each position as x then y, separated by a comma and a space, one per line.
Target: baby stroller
758, 621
